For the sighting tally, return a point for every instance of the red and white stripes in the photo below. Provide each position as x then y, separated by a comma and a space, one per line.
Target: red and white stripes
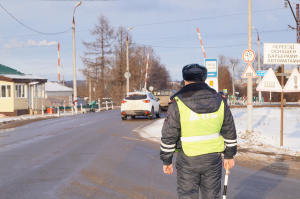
201, 43
58, 64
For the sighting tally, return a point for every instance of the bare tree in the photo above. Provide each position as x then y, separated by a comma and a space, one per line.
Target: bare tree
96, 56
224, 77
118, 81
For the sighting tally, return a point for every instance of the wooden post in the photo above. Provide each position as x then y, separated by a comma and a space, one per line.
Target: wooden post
281, 123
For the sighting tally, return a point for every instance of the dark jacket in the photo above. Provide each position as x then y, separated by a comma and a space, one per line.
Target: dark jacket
200, 98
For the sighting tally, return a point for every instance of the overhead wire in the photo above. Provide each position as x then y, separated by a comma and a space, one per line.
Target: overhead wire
29, 27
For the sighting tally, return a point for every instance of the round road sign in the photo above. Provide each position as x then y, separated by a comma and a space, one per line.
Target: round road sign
151, 88
248, 56
127, 74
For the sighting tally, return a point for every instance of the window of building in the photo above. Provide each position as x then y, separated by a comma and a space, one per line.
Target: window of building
38, 90
20, 91
5, 91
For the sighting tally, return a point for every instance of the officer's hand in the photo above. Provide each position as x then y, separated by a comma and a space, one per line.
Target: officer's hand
229, 162
168, 169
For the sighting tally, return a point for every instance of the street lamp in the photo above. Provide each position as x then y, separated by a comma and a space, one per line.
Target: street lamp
127, 68
258, 60
74, 61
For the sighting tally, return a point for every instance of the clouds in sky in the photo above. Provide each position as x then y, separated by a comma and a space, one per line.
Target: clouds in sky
16, 44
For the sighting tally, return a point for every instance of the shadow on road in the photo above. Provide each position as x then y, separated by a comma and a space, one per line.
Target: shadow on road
259, 185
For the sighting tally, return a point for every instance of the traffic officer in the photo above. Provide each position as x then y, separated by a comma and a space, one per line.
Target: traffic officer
199, 125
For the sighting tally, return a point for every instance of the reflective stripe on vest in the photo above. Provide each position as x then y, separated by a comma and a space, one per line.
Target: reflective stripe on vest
200, 133
200, 138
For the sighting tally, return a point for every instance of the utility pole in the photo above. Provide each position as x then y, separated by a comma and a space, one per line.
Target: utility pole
90, 88
127, 64
298, 34
258, 62
233, 91
249, 81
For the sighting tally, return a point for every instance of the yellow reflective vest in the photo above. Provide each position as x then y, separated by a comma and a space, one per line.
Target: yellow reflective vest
200, 133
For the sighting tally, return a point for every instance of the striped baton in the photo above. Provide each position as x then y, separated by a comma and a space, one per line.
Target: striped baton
225, 182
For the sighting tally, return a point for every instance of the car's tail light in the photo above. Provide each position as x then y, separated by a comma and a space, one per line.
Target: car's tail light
123, 113
146, 101
147, 112
123, 102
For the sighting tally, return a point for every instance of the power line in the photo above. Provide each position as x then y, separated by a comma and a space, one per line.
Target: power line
220, 16
32, 28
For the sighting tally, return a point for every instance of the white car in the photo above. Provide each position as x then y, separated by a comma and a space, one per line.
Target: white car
140, 104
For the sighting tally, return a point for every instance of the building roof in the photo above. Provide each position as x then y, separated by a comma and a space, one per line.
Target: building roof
23, 77
53, 86
8, 70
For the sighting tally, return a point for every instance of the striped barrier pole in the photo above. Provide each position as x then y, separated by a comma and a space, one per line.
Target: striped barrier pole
201, 43
58, 63
225, 182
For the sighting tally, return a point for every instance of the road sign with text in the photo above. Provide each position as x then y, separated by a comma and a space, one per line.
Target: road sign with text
269, 83
249, 72
248, 56
212, 67
261, 72
281, 53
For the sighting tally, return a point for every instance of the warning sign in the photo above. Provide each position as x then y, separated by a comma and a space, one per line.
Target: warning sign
249, 72
269, 83
281, 53
293, 83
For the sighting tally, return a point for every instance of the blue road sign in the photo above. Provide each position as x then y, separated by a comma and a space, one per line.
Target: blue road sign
261, 72
212, 67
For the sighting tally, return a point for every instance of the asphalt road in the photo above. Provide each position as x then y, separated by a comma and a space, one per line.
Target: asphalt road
98, 155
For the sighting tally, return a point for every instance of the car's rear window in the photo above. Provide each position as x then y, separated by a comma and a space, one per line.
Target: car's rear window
136, 97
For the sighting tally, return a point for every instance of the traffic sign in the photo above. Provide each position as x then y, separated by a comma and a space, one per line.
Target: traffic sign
249, 72
281, 53
261, 72
293, 83
248, 55
212, 67
127, 74
269, 83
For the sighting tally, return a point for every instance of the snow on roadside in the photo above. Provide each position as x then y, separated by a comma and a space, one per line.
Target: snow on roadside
266, 130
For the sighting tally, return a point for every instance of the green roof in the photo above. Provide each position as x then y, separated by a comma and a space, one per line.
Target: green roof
7, 70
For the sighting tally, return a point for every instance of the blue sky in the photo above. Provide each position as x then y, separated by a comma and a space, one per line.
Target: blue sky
169, 26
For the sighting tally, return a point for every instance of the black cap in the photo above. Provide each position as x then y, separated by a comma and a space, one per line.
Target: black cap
194, 72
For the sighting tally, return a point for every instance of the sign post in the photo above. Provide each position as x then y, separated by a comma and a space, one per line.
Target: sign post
248, 57
212, 72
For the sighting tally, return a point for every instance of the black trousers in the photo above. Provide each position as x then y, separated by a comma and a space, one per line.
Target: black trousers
196, 173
